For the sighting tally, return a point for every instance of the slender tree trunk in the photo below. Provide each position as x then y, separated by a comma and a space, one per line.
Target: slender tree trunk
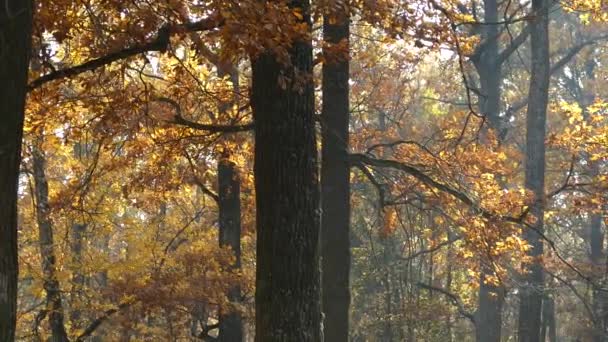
548, 329
335, 178
15, 30
288, 288
80, 151
229, 191
387, 256
596, 242
586, 97
531, 291
387, 241
78, 278
448, 286
47, 253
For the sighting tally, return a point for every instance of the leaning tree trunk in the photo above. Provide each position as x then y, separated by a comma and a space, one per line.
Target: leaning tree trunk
229, 196
288, 291
15, 30
335, 177
531, 292
47, 254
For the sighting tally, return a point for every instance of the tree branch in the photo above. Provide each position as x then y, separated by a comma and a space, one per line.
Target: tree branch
204, 335
514, 45
99, 320
431, 250
557, 66
178, 119
160, 44
453, 298
361, 159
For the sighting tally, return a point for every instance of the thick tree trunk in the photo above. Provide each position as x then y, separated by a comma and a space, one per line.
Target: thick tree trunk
335, 180
488, 318
229, 191
47, 254
531, 291
490, 297
15, 30
489, 67
288, 289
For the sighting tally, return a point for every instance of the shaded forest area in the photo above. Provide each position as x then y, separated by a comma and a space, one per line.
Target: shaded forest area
303, 170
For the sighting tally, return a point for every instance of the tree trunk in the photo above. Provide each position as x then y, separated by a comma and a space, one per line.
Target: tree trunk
47, 253
548, 329
488, 318
16, 19
490, 297
531, 291
229, 191
596, 242
78, 278
387, 241
335, 180
288, 291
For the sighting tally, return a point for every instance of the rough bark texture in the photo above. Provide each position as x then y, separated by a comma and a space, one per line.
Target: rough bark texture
229, 191
531, 291
288, 289
15, 30
335, 181
47, 254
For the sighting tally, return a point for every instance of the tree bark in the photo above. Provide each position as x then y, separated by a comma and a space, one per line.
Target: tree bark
489, 68
47, 253
490, 297
78, 278
548, 329
15, 30
335, 179
531, 291
229, 192
288, 289
596, 242
388, 243
488, 318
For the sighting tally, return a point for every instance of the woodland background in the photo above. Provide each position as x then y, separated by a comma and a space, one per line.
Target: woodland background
186, 170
